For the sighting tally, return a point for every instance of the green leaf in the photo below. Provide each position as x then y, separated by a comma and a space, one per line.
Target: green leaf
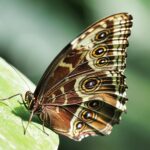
14, 116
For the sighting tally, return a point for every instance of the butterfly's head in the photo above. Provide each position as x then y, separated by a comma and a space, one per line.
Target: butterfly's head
29, 101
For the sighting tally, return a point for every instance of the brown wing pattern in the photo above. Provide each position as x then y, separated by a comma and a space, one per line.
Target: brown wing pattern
84, 88
73, 58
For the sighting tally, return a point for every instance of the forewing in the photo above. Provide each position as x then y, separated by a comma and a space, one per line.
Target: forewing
100, 47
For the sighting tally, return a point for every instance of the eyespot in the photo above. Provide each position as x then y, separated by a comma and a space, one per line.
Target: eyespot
101, 62
87, 115
101, 35
99, 51
79, 125
90, 84
95, 104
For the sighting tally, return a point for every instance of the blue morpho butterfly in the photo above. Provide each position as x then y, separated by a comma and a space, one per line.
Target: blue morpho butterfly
83, 91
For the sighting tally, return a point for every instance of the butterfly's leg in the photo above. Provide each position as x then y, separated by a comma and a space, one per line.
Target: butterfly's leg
31, 116
8, 98
43, 125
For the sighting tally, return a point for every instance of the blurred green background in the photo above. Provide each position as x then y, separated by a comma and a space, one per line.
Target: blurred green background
32, 32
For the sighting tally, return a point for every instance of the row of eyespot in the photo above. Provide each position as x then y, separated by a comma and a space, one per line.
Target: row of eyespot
88, 115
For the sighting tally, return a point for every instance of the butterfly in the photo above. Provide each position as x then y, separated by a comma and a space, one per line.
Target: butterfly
83, 91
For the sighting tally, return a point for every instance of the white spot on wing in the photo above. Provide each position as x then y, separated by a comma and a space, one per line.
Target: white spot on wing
63, 92
106, 130
62, 64
120, 106
53, 98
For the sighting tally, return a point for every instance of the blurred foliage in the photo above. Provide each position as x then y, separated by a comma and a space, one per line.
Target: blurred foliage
32, 32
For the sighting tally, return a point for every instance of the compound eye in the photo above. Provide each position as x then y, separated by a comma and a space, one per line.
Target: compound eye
29, 100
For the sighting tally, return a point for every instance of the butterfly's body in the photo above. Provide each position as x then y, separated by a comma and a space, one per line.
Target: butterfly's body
83, 91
